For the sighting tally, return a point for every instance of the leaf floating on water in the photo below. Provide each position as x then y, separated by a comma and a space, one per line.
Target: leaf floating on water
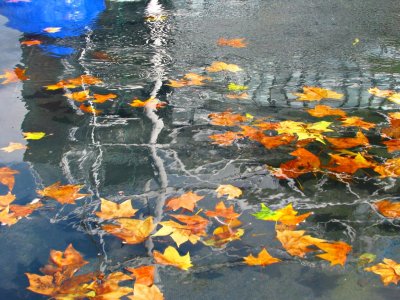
295, 242
320, 111
311, 93
345, 143
357, 122
143, 275
389, 271
218, 66
16, 75
235, 43
144, 292
112, 210
179, 233
390, 168
5, 200
227, 189
366, 258
226, 138
305, 131
380, 93
152, 103
99, 98
388, 209
237, 87
153, 18
225, 234
78, 96
74, 82
131, 231
263, 259
222, 211
33, 135
226, 119
7, 177
14, 147
286, 215
189, 79
172, 257
356, 41
348, 164
64, 194
90, 109
336, 253
392, 145
186, 201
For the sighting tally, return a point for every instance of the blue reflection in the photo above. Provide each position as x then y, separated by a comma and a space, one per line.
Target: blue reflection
73, 16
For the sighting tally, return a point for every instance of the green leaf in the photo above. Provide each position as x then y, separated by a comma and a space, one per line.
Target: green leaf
236, 87
266, 214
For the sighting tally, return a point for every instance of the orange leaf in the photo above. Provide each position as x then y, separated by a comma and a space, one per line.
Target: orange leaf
235, 43
321, 111
7, 177
226, 119
336, 253
144, 275
144, 292
13, 147
131, 231
392, 145
225, 234
389, 271
152, 103
103, 98
14, 76
390, 168
7, 218
311, 93
112, 210
357, 122
388, 208
263, 259
345, 143
306, 162
5, 200
380, 93
186, 201
196, 224
222, 211
78, 96
189, 80
90, 109
225, 139
348, 165
271, 142
229, 190
22, 211
295, 242
65, 194
218, 66
31, 42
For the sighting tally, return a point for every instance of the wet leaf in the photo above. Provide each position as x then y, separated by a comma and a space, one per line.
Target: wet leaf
366, 258
172, 257
336, 253
90, 109
390, 168
78, 96
347, 164
316, 94
238, 96
112, 210
357, 122
225, 139
74, 82
218, 66
380, 93
271, 142
345, 143
14, 147
225, 234
65, 194
295, 242
389, 271
286, 215
31, 42
179, 233
305, 131
131, 231
226, 118
143, 275
16, 75
222, 211
7, 217
99, 98
144, 292
392, 145
235, 43
152, 103
263, 259
186, 201
305, 162
237, 87
395, 98
388, 209
189, 79
33, 135
7, 177
321, 111
229, 190
5, 200
109, 288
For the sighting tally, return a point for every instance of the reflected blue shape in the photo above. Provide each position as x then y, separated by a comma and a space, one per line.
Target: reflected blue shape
73, 16
57, 50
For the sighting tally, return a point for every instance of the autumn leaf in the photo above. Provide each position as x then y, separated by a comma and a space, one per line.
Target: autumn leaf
78, 96
271, 142
219, 66
345, 143
144, 292
33, 135
196, 224
392, 145
295, 242
366, 258
172, 257
237, 87
321, 111
390, 168
7, 217
305, 162
74, 82
90, 109
13, 147
65, 194
316, 94
388, 209
99, 98
226, 118
357, 122
347, 164
227, 189
112, 210
189, 79
237, 96
7, 177
380, 93
108, 288
235, 43
13, 76
263, 259
143, 275
22, 211
225, 234
179, 233
305, 131
389, 271
31, 42
394, 98
5, 200
152, 103
286, 215
336, 253
131, 231
225, 139
222, 211
186, 201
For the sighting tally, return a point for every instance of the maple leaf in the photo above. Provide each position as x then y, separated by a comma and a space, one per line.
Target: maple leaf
226, 139
306, 162
108, 288
152, 103
222, 211
143, 275
286, 215
22, 211
178, 232
380, 93
388, 208
90, 109
74, 82
295, 242
196, 224
271, 142
5, 200
228, 189
171, 257
33, 135
225, 234
389, 271
235, 43
263, 259
31, 42
336, 253
218, 66
305, 131
316, 94
78, 96
390, 168
14, 76
7, 218
13, 147
186, 201
112, 210
226, 118
144, 292
236, 87
189, 79
392, 145
64, 194
357, 122
345, 143
348, 165
321, 111
131, 231
395, 98
99, 98
237, 96
7, 177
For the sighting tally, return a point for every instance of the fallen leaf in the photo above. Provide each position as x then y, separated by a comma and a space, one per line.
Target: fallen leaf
218, 66
152, 103
222, 211
90, 109
33, 135
13, 147
225, 139
7, 218
356, 41
112, 210
99, 98
186, 201
144, 292
64, 194
311, 93
131, 231
388, 209
7, 177
336, 253
171, 257
392, 145
271, 142
380, 93
394, 98
321, 111
263, 259
345, 143
108, 288
22, 211
390, 168
305, 162
78, 96
226, 118
237, 87
235, 43
366, 258
357, 122
389, 271
227, 189
5, 200
179, 233
286, 215
143, 275
189, 79
305, 131
74, 82
31, 42
225, 234
347, 164
295, 242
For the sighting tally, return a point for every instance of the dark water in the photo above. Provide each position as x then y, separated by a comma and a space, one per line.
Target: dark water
149, 156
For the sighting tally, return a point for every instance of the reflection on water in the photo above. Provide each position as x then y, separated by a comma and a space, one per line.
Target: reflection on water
150, 155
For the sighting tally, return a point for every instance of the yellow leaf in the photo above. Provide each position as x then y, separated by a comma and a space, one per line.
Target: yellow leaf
228, 189
219, 66
316, 94
131, 231
263, 259
389, 271
178, 232
171, 257
78, 96
34, 135
112, 210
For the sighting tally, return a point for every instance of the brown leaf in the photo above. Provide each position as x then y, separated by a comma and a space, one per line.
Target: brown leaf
392, 145
90, 109
348, 165
295, 242
222, 211
345, 143
186, 201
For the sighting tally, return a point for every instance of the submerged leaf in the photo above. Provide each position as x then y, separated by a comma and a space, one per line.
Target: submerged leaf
13, 147
218, 66
34, 135
388, 209
321, 111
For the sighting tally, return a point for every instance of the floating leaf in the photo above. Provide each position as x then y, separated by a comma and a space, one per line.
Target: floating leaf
388, 209
306, 162
78, 96
65, 194
222, 211
131, 231
172, 257
263, 259
225, 139
179, 233
316, 94
228, 189
348, 165
218, 66
7, 217
5, 200
225, 234
380, 93
14, 147
357, 122
143, 275
235, 43
112, 210
33, 135
90, 109
336, 253
152, 103
295, 242
189, 79
237, 87
226, 118
75, 82
390, 168
99, 98
305, 131
366, 258
186, 201
13, 76
286, 215
7, 177
52, 29
144, 292
392, 145
345, 143
389, 271
321, 111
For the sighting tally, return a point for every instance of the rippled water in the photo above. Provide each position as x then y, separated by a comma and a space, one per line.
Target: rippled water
150, 156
